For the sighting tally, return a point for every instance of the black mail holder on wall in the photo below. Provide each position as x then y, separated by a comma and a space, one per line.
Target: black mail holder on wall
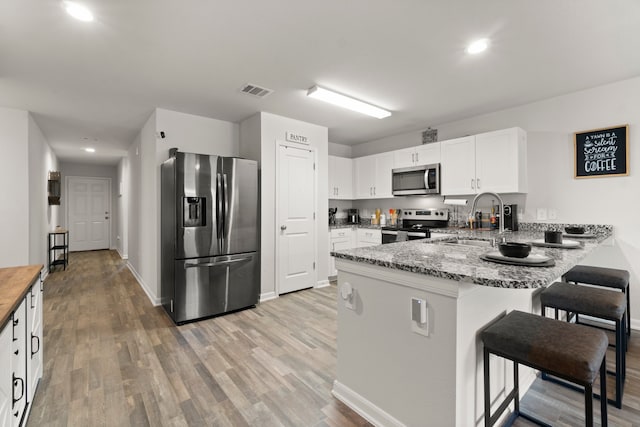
54, 187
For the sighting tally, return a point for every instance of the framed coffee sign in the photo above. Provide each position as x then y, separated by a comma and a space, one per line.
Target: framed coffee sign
602, 152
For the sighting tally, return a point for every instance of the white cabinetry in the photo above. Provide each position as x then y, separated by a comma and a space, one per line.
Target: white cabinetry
373, 176
340, 239
493, 161
34, 339
368, 237
19, 363
340, 178
6, 381
415, 156
21, 358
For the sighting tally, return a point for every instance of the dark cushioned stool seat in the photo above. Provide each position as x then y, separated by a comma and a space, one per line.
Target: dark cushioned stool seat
605, 277
575, 353
548, 344
595, 302
608, 277
586, 300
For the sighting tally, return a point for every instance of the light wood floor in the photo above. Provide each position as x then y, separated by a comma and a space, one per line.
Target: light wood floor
113, 359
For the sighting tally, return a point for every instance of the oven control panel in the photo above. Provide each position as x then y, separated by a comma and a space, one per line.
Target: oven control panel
426, 214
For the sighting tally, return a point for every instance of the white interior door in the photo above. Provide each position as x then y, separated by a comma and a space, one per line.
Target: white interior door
296, 223
89, 213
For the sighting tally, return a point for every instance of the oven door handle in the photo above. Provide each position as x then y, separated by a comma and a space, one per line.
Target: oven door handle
390, 232
418, 234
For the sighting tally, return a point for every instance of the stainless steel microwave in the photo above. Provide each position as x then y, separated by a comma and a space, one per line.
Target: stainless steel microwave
416, 180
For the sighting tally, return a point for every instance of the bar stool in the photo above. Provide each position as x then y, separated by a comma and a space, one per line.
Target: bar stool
605, 277
595, 302
575, 353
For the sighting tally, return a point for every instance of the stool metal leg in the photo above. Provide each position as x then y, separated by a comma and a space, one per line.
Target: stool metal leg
588, 405
603, 392
487, 389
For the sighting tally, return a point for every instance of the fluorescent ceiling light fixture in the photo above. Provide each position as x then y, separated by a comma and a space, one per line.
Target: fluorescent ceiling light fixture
90, 150
78, 11
478, 46
347, 102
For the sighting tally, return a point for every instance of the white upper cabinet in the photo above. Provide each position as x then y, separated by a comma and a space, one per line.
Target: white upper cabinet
493, 161
425, 154
373, 176
340, 178
458, 166
501, 161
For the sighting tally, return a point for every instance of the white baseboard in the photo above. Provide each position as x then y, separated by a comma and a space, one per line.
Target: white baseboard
635, 324
322, 284
123, 256
154, 300
363, 407
268, 296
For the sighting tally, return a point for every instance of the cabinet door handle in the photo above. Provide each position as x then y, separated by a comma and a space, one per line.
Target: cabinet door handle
16, 381
38, 341
413, 157
478, 183
472, 182
417, 157
374, 191
337, 191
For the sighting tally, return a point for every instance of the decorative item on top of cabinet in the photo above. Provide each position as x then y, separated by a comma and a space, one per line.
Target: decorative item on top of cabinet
492, 161
429, 136
340, 178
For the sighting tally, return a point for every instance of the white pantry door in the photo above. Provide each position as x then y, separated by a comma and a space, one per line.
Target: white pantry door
89, 213
295, 222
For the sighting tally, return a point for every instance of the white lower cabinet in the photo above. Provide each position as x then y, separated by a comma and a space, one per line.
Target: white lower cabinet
19, 364
349, 238
21, 359
34, 339
368, 237
6, 387
339, 239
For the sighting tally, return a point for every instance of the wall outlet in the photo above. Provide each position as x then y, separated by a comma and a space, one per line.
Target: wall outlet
541, 214
553, 214
419, 316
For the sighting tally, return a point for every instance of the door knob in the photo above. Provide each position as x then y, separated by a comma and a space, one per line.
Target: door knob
283, 227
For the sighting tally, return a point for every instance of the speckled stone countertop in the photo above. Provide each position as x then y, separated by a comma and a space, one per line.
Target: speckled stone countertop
435, 257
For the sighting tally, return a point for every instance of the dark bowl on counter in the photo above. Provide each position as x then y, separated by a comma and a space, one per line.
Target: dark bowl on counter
574, 230
514, 250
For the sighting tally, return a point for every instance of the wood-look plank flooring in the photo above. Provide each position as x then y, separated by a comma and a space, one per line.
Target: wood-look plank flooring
112, 359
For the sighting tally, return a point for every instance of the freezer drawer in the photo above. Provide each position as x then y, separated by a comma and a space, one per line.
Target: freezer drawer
215, 285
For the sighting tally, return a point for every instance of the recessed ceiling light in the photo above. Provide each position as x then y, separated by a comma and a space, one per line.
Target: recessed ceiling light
78, 11
478, 46
347, 102
90, 150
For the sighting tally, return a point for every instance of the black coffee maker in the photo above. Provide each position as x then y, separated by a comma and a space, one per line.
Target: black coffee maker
353, 216
510, 217
332, 216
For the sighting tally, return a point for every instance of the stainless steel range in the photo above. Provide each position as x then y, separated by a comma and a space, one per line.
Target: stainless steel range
416, 224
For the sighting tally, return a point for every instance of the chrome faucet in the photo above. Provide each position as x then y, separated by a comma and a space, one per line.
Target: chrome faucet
501, 221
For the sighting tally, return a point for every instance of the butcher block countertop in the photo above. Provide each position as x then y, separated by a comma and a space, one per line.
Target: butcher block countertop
14, 284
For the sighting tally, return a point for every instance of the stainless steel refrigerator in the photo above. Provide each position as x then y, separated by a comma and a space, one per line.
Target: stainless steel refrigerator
210, 261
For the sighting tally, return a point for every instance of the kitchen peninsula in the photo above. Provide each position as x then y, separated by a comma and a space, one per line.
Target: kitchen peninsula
398, 371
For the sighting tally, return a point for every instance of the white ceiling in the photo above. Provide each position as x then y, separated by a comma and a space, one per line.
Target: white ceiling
102, 80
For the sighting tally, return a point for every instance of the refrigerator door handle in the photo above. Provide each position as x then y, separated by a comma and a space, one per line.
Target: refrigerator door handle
219, 211
216, 264
226, 201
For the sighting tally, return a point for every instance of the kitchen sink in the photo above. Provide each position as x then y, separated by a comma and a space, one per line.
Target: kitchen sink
470, 242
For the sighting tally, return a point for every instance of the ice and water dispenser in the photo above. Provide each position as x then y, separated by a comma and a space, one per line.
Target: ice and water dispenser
194, 214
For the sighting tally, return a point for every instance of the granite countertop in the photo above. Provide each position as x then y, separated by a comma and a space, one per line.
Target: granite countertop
14, 284
361, 225
435, 257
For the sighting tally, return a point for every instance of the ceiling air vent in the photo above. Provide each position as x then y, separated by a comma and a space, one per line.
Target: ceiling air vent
257, 91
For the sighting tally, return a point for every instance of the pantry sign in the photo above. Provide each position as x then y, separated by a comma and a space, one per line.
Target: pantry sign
602, 152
